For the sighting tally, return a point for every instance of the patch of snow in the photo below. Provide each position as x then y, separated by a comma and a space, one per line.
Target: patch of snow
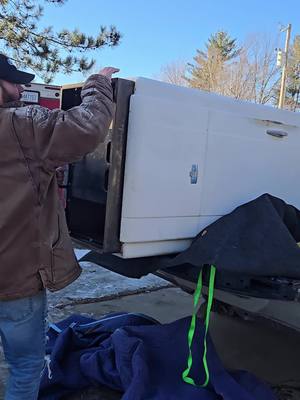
96, 283
79, 253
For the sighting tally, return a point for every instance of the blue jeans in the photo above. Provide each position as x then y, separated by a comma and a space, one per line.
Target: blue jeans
23, 332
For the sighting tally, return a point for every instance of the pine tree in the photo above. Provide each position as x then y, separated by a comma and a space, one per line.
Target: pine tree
247, 71
224, 44
42, 49
208, 72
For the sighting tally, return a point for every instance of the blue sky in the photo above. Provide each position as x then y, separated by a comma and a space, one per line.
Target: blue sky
158, 32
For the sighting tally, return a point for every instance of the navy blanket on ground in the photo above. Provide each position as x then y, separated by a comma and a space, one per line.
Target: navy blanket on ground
140, 358
257, 239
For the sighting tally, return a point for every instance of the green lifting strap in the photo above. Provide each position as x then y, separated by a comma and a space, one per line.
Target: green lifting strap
197, 294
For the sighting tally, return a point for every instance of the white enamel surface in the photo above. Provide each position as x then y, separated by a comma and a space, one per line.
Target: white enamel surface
173, 128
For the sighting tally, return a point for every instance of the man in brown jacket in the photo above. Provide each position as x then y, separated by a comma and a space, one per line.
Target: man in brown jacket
35, 249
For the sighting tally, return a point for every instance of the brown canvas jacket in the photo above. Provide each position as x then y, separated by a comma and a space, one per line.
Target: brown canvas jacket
35, 247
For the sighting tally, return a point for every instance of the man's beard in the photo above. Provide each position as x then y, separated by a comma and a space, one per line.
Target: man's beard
6, 97
7, 100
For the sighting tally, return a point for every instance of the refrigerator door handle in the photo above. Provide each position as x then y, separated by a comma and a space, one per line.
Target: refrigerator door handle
277, 133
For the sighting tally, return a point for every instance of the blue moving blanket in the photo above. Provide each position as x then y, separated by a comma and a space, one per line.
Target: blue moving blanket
141, 358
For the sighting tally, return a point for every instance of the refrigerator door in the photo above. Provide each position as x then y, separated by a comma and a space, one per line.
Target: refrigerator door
95, 184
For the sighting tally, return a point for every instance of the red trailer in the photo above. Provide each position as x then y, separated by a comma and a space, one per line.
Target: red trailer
42, 94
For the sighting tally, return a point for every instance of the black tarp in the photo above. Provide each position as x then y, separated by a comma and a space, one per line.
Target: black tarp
258, 239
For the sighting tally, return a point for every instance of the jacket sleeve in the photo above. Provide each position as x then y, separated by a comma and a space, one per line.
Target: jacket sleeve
56, 137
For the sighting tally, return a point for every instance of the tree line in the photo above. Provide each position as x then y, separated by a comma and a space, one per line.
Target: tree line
247, 71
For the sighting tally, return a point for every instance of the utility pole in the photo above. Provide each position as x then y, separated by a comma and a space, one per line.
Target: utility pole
284, 69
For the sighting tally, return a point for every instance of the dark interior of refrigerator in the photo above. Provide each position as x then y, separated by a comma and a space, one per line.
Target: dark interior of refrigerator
94, 185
